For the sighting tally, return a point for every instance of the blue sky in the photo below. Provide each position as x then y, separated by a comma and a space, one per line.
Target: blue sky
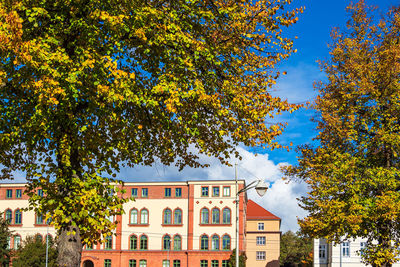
313, 32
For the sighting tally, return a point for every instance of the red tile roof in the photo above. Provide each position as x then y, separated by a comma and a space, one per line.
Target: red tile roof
255, 211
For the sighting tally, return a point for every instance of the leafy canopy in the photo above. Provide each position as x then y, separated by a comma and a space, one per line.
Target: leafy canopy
88, 86
353, 173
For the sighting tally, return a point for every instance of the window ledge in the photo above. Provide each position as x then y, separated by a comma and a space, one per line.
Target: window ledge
172, 225
215, 224
15, 225
138, 225
41, 225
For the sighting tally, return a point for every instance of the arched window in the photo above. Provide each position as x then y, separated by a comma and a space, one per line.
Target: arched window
204, 216
134, 216
204, 242
177, 216
177, 242
17, 241
108, 243
226, 242
215, 216
226, 216
38, 238
133, 242
49, 239
143, 242
215, 242
167, 242
9, 216
142, 263
18, 217
144, 216
167, 216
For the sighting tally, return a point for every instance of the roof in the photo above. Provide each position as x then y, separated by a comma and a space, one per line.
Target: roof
256, 212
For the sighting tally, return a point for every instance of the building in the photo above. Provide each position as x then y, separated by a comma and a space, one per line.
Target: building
262, 236
346, 254
170, 224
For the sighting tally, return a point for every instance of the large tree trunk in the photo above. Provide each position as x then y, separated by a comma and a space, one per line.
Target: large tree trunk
69, 247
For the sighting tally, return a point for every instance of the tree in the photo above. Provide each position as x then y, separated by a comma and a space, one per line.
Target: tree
295, 250
88, 86
33, 253
353, 173
232, 259
5, 235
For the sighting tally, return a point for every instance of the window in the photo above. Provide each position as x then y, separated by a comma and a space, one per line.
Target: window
225, 263
260, 226
9, 193
165, 263
107, 263
40, 192
204, 263
215, 216
167, 216
167, 242
227, 191
134, 216
39, 238
215, 191
132, 263
260, 255
167, 192
322, 251
9, 216
108, 243
226, 216
204, 242
143, 242
260, 240
177, 216
177, 263
17, 241
18, 193
178, 193
177, 242
133, 242
145, 192
363, 246
39, 219
346, 249
204, 191
204, 216
214, 263
226, 242
134, 193
144, 216
215, 242
142, 263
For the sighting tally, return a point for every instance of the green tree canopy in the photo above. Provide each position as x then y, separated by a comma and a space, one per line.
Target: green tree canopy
5, 235
32, 252
353, 173
295, 250
88, 86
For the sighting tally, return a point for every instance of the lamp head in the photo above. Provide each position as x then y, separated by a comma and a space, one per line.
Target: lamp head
261, 188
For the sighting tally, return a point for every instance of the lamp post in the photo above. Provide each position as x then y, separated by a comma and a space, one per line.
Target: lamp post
261, 188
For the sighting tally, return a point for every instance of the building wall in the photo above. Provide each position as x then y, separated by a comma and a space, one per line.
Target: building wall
272, 236
336, 255
191, 202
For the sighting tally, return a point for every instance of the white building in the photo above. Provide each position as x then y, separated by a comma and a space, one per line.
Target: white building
346, 254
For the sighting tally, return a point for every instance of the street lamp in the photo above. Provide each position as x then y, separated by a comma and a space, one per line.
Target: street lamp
261, 188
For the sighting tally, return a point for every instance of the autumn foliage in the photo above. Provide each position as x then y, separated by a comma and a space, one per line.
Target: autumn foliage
88, 86
353, 173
